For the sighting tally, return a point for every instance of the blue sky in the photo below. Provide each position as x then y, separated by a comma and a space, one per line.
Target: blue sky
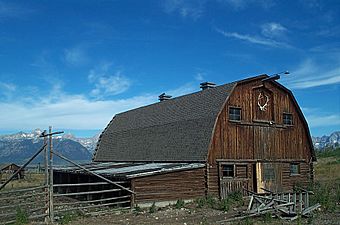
74, 64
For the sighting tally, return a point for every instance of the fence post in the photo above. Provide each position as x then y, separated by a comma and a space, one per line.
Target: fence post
300, 202
51, 175
47, 203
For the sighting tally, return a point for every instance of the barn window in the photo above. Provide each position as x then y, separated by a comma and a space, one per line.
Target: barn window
269, 173
235, 113
228, 171
294, 169
287, 119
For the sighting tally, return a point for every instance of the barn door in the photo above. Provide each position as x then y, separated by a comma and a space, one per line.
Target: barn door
233, 178
269, 177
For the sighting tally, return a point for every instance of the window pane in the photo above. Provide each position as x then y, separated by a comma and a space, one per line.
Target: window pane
294, 169
234, 113
228, 170
287, 119
269, 173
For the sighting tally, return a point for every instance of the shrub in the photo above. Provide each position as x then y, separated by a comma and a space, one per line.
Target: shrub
326, 195
21, 217
66, 218
224, 205
179, 204
211, 201
200, 202
267, 217
138, 209
152, 208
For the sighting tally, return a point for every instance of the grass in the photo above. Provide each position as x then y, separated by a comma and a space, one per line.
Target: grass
179, 204
233, 199
327, 180
328, 152
152, 208
30, 180
21, 217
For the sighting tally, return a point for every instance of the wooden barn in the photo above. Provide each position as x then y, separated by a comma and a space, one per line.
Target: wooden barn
249, 134
7, 169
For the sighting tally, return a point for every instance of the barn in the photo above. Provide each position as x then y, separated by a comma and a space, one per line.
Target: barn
7, 169
248, 134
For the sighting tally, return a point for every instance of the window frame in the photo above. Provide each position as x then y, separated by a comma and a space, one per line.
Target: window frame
285, 119
269, 172
230, 166
233, 108
292, 172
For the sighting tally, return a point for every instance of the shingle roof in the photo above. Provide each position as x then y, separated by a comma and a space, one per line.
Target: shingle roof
178, 129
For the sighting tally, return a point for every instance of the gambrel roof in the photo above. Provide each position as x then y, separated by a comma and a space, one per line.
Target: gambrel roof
177, 129
174, 130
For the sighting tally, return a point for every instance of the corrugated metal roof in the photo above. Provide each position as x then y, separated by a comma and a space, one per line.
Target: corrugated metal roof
129, 170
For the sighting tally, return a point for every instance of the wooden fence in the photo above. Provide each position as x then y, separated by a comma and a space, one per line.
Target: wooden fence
51, 201
29, 200
228, 186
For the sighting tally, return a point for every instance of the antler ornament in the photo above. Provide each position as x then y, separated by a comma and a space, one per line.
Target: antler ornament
264, 106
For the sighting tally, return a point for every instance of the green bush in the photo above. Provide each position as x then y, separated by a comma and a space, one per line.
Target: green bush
329, 152
200, 202
326, 195
267, 217
246, 221
211, 201
179, 204
152, 208
66, 218
224, 205
137, 209
235, 198
21, 217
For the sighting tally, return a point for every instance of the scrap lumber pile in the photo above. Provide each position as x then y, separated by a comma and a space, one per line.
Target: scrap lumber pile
287, 206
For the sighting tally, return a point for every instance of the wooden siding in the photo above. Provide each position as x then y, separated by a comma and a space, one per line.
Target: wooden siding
260, 135
184, 185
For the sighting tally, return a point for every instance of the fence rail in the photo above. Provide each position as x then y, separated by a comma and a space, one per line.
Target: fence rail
43, 202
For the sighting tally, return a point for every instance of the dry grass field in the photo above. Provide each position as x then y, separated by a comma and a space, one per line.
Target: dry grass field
30, 180
204, 211
326, 189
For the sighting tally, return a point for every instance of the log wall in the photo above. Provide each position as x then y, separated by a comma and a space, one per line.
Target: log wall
188, 184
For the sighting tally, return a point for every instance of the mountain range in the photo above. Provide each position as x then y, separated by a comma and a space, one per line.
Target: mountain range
333, 140
20, 146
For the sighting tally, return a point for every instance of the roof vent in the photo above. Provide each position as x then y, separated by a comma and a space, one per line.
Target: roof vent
164, 97
207, 85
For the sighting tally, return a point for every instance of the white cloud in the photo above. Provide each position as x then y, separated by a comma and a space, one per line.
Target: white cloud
107, 84
242, 4
254, 39
7, 90
76, 56
182, 90
313, 73
186, 8
7, 87
199, 76
273, 30
10, 10
323, 121
73, 111
111, 85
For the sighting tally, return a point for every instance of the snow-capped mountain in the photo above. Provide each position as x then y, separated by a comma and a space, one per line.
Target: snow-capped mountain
20, 146
332, 140
88, 143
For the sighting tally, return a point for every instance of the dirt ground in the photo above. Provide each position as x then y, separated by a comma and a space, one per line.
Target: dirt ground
190, 214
